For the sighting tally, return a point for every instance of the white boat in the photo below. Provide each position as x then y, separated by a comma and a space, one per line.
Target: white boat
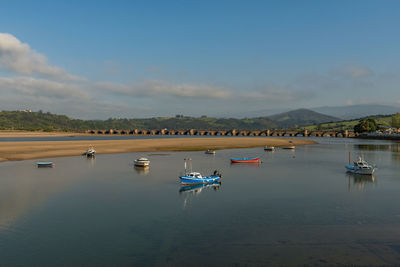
142, 162
209, 151
269, 148
361, 167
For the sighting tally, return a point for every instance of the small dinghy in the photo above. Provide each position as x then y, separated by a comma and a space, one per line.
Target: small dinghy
142, 162
246, 160
193, 178
45, 164
289, 147
361, 167
269, 148
211, 152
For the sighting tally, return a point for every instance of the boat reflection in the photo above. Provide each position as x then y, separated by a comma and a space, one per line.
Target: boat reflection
360, 182
197, 188
142, 170
252, 164
191, 191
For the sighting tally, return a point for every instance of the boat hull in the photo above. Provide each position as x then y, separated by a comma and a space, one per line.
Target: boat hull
142, 164
187, 180
289, 147
363, 171
269, 148
246, 160
45, 164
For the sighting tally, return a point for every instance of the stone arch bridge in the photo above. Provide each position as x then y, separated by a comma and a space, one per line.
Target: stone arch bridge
233, 132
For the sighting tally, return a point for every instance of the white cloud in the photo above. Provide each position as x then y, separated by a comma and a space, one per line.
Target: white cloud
42, 88
277, 95
355, 72
19, 58
156, 88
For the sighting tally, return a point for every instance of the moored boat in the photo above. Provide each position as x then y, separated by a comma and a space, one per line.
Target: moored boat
211, 152
269, 148
142, 162
193, 178
246, 160
90, 152
45, 164
289, 147
361, 167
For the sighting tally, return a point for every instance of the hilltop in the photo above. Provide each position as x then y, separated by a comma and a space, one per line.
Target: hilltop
301, 117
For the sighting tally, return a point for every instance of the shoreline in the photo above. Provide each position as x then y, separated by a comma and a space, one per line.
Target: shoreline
10, 133
15, 151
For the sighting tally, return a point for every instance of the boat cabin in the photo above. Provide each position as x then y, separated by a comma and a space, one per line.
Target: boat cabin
195, 175
361, 163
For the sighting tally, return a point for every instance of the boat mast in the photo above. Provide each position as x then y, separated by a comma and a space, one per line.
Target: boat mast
185, 166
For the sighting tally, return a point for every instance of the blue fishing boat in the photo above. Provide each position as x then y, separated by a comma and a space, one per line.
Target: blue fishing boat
45, 164
193, 178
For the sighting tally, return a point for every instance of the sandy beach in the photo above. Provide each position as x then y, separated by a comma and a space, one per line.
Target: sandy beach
10, 151
5, 133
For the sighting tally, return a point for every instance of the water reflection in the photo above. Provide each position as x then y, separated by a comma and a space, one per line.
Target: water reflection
378, 147
251, 164
393, 147
142, 170
91, 161
360, 182
191, 191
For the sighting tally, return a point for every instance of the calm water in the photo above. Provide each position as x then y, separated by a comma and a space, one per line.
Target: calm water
298, 207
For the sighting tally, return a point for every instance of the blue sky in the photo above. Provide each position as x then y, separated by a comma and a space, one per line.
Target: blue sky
100, 59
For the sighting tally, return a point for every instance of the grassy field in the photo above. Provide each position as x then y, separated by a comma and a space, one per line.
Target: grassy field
348, 125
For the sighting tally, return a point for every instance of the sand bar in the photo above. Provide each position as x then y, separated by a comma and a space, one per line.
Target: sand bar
8, 134
48, 149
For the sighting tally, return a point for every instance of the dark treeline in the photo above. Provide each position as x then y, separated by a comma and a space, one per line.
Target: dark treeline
40, 121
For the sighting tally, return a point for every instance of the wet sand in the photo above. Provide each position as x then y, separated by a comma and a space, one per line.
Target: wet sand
10, 151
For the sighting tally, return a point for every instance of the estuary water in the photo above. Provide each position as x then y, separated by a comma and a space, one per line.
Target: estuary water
296, 208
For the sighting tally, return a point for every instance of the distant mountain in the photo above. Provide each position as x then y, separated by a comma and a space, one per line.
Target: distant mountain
300, 117
357, 111
255, 113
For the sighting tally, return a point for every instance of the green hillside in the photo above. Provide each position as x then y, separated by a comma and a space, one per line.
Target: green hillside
34, 121
40, 121
349, 125
301, 117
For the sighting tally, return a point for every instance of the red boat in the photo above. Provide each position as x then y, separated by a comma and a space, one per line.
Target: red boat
246, 160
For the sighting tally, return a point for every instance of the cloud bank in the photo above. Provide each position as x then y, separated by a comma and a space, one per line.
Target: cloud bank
30, 81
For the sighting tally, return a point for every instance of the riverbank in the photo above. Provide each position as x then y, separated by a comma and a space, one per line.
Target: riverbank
10, 151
